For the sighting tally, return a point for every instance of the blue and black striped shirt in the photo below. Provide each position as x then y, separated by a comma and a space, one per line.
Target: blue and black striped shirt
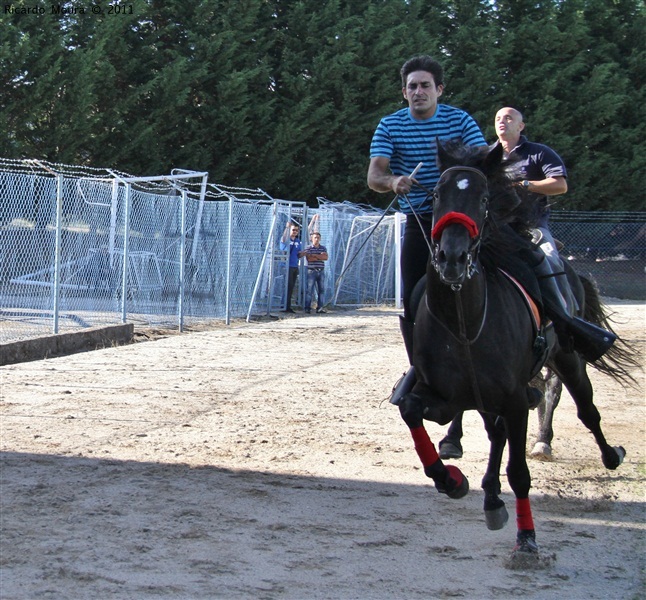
407, 141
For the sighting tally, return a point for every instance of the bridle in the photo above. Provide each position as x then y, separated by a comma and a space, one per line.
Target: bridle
453, 217
475, 233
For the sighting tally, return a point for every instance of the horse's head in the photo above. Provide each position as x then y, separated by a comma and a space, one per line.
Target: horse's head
460, 208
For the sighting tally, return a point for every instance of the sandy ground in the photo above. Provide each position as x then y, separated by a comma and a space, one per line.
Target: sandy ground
263, 461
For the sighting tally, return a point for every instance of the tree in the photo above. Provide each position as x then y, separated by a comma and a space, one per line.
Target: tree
285, 95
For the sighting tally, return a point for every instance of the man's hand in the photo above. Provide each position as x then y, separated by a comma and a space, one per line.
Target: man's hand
402, 185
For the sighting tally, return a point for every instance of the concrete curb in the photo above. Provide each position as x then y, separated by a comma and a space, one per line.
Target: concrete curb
62, 344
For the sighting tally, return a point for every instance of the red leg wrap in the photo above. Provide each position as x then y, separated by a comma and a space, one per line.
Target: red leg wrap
424, 447
524, 518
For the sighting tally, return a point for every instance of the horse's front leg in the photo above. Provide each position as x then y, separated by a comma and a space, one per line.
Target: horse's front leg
448, 480
496, 515
519, 478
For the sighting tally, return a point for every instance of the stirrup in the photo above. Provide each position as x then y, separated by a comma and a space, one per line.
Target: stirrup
403, 386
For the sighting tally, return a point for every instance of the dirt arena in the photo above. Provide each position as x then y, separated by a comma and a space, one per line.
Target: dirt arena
263, 461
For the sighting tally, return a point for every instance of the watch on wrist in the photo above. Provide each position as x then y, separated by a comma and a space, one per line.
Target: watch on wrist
525, 184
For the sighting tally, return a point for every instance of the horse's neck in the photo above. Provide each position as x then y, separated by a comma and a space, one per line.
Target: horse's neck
451, 307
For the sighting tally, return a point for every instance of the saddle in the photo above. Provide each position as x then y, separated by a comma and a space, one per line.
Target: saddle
540, 346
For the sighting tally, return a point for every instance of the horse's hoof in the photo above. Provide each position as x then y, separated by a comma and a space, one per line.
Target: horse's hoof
542, 451
614, 460
496, 519
526, 555
449, 449
455, 486
526, 542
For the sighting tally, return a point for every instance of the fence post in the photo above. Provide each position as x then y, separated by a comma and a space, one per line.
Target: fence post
398, 262
124, 266
227, 318
58, 251
182, 264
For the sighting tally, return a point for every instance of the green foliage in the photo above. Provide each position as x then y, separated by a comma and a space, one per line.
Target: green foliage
285, 95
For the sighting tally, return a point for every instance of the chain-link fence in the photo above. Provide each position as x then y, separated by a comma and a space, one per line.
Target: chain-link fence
609, 247
82, 247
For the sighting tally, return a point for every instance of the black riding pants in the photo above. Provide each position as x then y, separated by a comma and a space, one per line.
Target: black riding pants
414, 258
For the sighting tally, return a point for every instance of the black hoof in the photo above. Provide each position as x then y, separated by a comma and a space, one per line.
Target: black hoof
526, 555
497, 519
450, 449
455, 485
613, 458
526, 542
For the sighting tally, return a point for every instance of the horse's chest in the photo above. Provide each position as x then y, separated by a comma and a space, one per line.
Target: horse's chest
449, 366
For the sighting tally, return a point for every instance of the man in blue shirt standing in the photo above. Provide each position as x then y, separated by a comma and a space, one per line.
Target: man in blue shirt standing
294, 246
401, 141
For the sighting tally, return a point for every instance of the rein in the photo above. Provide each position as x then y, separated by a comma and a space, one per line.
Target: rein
463, 340
474, 233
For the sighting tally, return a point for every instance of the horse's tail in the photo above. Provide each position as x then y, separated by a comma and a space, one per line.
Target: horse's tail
620, 359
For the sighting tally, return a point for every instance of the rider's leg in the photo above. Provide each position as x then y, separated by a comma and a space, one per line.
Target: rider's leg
414, 258
548, 245
588, 339
405, 383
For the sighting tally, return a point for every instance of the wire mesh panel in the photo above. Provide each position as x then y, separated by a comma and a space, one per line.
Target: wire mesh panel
83, 247
27, 248
368, 272
609, 248
89, 277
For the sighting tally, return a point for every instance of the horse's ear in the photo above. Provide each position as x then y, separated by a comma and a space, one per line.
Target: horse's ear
493, 159
442, 155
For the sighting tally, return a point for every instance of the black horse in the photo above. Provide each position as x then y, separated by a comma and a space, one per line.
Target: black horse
549, 387
474, 336
616, 363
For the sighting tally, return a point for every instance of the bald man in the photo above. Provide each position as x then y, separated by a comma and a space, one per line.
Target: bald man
541, 171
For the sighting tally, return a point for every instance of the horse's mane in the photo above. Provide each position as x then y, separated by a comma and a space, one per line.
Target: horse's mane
506, 238
508, 203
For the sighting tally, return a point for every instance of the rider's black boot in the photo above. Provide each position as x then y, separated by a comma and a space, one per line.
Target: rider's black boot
407, 381
574, 334
588, 339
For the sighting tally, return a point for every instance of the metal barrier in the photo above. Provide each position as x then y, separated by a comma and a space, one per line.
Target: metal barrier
82, 247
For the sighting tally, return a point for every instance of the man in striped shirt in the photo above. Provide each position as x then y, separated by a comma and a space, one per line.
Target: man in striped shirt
315, 255
401, 141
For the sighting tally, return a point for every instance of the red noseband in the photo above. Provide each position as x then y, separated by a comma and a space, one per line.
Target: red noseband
449, 219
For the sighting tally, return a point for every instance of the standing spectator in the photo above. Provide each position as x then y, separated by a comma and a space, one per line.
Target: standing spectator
294, 246
315, 254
